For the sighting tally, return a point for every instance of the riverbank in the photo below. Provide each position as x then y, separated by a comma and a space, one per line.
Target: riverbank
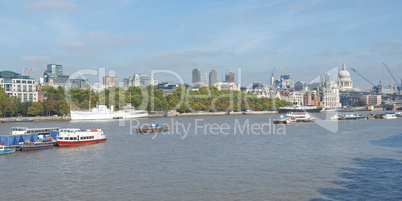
36, 119
67, 118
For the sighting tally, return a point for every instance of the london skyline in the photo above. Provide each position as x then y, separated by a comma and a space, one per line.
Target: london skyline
305, 38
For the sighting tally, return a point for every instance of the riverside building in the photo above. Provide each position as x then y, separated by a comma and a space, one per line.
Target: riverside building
21, 86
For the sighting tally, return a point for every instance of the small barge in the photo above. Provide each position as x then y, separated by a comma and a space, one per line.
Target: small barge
31, 146
153, 128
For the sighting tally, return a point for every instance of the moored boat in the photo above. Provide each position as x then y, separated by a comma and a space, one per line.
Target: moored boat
75, 136
300, 116
350, 117
101, 112
25, 130
153, 128
31, 146
17, 120
6, 150
283, 120
389, 116
299, 108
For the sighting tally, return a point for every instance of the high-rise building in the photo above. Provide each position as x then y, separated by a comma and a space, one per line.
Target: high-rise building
55, 69
196, 77
53, 76
139, 80
230, 77
21, 86
213, 78
111, 81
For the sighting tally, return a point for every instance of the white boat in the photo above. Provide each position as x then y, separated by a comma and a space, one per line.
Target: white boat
335, 117
299, 108
300, 116
101, 112
284, 120
389, 116
351, 116
25, 130
75, 136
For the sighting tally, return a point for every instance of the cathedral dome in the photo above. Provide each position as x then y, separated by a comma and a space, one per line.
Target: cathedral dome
344, 74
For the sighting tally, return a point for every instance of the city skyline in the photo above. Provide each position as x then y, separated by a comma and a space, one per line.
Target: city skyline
304, 38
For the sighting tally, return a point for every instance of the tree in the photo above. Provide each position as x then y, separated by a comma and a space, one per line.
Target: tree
360, 103
35, 109
7, 108
50, 107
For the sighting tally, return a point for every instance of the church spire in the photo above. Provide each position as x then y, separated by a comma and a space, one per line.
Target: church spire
344, 67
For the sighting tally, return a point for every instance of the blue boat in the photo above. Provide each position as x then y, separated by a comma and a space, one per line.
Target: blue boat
6, 150
30, 146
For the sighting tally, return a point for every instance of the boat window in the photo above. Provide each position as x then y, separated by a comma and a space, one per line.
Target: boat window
66, 138
71, 138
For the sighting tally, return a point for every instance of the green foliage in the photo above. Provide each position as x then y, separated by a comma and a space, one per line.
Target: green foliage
35, 109
360, 103
149, 98
56, 101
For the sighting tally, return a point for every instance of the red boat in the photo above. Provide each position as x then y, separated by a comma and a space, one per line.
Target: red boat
75, 136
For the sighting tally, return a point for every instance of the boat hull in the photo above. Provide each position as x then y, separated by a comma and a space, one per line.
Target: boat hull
17, 121
79, 143
7, 152
152, 130
36, 147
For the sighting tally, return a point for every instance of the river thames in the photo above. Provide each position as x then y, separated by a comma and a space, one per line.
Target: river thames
243, 157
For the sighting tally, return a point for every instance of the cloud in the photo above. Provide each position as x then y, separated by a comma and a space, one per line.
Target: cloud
184, 55
300, 5
391, 45
98, 40
52, 5
75, 46
105, 37
300, 33
32, 58
323, 54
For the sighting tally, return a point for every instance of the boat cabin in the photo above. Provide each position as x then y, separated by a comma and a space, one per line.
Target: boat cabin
25, 130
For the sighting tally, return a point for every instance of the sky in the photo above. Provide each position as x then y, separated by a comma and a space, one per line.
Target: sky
126, 37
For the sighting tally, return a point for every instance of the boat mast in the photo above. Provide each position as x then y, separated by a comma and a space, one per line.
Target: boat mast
90, 90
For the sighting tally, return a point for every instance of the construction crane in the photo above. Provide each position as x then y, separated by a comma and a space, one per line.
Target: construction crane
397, 84
28, 72
376, 87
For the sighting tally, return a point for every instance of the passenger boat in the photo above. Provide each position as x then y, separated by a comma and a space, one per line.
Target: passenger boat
75, 136
335, 117
283, 120
25, 130
31, 146
299, 108
6, 150
153, 128
389, 116
348, 117
300, 116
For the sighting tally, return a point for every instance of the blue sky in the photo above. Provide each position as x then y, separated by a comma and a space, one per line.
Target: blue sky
305, 38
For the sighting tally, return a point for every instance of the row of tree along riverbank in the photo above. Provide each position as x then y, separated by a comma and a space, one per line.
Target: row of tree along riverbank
60, 101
